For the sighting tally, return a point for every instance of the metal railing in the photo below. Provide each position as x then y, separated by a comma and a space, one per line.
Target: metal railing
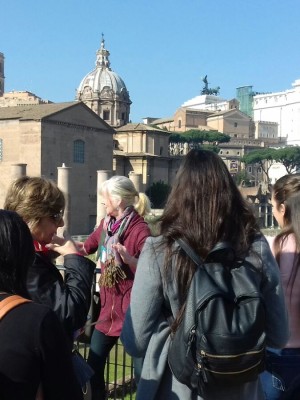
119, 373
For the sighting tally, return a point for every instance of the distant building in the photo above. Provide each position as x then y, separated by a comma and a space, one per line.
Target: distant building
105, 92
43, 137
210, 103
244, 95
18, 98
144, 150
282, 108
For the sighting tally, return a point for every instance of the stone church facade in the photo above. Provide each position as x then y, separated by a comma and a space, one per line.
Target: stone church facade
44, 138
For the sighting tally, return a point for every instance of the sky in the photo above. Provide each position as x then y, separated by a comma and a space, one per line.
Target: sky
162, 49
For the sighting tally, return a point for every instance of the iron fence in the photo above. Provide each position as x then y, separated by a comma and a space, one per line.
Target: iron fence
119, 374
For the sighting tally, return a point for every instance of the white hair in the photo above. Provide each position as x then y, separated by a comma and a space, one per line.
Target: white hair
120, 188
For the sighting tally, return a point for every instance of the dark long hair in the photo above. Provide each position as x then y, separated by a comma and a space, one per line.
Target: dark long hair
16, 253
286, 190
204, 207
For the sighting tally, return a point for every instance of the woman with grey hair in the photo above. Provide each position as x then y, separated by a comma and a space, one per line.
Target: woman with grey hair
118, 241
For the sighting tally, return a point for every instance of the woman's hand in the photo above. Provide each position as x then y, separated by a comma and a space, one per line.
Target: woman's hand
126, 257
63, 246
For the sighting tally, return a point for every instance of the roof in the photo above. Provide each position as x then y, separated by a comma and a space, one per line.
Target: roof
135, 154
33, 111
140, 127
232, 111
162, 120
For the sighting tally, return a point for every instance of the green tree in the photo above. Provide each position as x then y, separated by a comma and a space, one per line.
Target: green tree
158, 193
289, 157
199, 136
242, 176
264, 157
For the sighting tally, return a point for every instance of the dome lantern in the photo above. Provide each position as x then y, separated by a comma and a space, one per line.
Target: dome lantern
105, 92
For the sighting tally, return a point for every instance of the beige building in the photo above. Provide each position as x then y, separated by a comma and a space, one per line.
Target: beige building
44, 137
144, 150
20, 98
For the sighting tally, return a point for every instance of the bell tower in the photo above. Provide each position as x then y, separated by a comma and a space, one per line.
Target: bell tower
1, 74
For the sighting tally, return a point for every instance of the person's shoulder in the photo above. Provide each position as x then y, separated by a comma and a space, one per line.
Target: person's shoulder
138, 223
154, 241
259, 242
37, 311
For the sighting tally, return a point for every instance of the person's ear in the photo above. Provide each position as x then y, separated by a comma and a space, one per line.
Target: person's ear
282, 208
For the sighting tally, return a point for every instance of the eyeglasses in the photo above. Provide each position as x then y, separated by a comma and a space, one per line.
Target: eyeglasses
57, 217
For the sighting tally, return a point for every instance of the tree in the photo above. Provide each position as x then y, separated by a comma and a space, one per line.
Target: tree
158, 193
265, 158
289, 157
199, 136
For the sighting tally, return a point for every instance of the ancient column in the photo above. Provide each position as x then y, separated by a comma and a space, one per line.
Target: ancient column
136, 179
63, 182
17, 171
102, 175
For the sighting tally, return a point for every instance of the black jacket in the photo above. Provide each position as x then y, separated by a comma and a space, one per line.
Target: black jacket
68, 297
34, 350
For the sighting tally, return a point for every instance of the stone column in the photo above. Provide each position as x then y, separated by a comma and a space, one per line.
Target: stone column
136, 179
63, 182
102, 175
17, 171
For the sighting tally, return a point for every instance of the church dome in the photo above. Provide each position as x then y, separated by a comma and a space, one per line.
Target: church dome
105, 92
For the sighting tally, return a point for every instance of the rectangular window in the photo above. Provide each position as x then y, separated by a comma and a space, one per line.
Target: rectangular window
78, 152
106, 115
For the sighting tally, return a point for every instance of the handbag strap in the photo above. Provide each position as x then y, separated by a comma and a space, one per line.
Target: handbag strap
11, 302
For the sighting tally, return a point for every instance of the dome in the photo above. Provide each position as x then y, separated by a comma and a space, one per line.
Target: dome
105, 92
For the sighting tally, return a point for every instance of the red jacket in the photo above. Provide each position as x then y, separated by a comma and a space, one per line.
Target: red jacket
115, 300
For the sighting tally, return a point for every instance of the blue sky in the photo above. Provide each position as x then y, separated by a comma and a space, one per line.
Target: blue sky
160, 48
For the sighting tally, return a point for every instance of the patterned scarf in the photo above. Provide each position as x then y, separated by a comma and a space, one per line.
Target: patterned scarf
114, 230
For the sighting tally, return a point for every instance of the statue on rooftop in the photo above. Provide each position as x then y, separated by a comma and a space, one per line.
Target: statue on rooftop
207, 90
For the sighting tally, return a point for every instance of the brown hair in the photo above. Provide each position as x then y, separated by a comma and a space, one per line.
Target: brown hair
204, 207
286, 190
34, 198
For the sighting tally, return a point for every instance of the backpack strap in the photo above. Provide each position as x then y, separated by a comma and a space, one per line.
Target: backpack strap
189, 251
220, 246
11, 302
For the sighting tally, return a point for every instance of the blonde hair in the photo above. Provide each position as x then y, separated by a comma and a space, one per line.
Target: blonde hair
34, 198
143, 205
122, 188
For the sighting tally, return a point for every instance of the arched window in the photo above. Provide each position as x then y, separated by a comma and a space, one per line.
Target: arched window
78, 151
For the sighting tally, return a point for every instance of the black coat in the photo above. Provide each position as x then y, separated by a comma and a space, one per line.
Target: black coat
68, 297
34, 350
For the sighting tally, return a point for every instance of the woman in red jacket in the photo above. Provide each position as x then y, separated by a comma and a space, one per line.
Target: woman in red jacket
118, 241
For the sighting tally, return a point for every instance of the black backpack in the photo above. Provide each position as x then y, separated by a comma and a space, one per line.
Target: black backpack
221, 339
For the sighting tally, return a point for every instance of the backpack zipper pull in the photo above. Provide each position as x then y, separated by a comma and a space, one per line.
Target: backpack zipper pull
190, 341
201, 365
